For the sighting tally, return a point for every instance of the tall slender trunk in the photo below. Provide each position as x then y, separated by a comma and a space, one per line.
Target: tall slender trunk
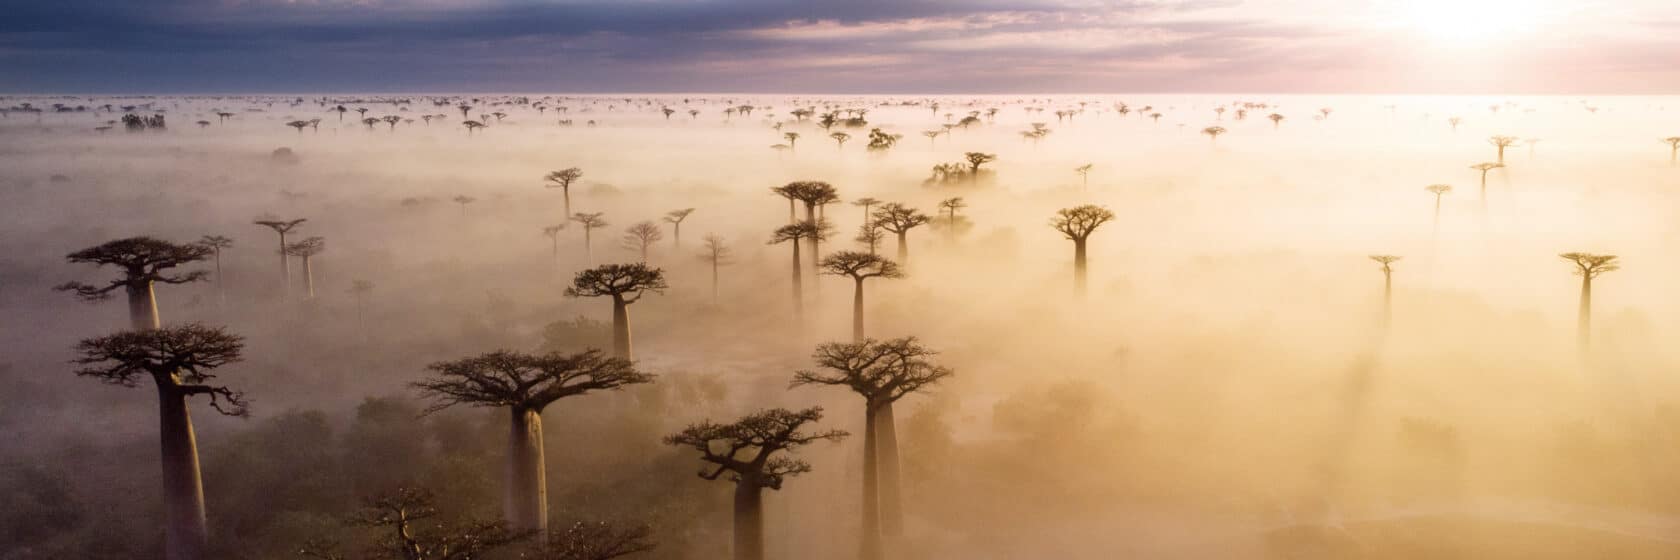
676, 234
1079, 266
285, 269
142, 307
857, 312
714, 281
555, 251
1388, 298
566, 193
791, 218
886, 453
621, 328
588, 248
186, 532
526, 503
1583, 321
221, 288
798, 291
308, 278
869, 539
816, 278
749, 520
903, 249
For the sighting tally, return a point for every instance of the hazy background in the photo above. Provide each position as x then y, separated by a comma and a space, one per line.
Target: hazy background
1221, 392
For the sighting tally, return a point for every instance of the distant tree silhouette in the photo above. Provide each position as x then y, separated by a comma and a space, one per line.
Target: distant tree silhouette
814, 195
675, 218
1213, 132
899, 220
562, 180
216, 243
463, 200
1454, 122
641, 235
179, 361
793, 139
882, 372
590, 222
1276, 119
975, 160
625, 284
525, 384
282, 227
1077, 224
299, 125
717, 254
309, 247
1388, 285
1673, 149
472, 126
359, 291
840, 139
1484, 168
1500, 143
553, 234
1084, 172
859, 266
1438, 190
369, 122
753, 451
143, 262
793, 233
1588, 266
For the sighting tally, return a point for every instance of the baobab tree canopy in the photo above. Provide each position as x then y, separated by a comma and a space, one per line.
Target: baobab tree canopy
142, 260
181, 356
748, 448
882, 371
618, 280
1078, 222
505, 378
859, 265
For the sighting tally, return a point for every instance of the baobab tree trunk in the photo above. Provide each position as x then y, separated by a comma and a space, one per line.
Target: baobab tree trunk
857, 312
1388, 299
714, 281
186, 532
566, 194
903, 250
526, 503
869, 544
285, 270
308, 278
798, 291
749, 520
621, 328
1583, 321
142, 307
1079, 266
886, 453
791, 218
221, 288
588, 248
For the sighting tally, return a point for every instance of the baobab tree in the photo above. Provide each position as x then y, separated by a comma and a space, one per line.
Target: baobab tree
1213, 132
463, 200
1454, 122
299, 125
866, 203
562, 180
625, 284
525, 384
1077, 224
793, 233
1500, 143
814, 195
179, 361
283, 227
1588, 266
553, 234
859, 266
882, 372
590, 222
1484, 168
640, 236
216, 243
1084, 172
472, 126
753, 451
793, 140
1276, 120
1439, 190
900, 219
143, 262
359, 291
1388, 286
675, 218
840, 139
1673, 149
717, 254
309, 247
975, 160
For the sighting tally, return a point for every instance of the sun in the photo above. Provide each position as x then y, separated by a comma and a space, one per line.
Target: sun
1468, 22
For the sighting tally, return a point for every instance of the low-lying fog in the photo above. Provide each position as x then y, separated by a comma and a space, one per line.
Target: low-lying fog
1224, 388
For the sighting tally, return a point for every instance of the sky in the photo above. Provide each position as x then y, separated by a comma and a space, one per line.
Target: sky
841, 46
